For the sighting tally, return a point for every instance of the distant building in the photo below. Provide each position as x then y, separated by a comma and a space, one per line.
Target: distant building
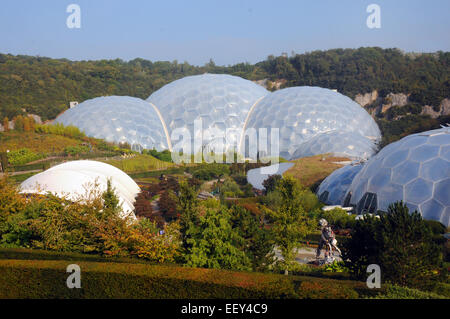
73, 104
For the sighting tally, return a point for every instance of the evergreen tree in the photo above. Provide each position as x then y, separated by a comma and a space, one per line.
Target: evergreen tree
110, 200
189, 218
216, 244
290, 224
258, 243
401, 243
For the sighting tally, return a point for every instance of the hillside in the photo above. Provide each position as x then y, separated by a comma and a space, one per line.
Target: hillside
389, 83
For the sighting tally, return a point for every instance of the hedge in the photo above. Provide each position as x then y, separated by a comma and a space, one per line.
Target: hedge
47, 279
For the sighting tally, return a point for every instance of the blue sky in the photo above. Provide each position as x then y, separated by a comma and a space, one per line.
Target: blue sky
228, 31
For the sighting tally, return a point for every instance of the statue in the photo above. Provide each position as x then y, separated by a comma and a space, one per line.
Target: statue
328, 240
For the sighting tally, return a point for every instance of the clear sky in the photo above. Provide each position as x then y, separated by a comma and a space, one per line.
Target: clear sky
228, 31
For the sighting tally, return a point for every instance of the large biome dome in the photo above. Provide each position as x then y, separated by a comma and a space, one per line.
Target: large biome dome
75, 180
301, 113
333, 189
119, 119
220, 101
415, 169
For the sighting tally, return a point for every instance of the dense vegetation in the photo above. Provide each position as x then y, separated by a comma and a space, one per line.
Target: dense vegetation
402, 244
44, 86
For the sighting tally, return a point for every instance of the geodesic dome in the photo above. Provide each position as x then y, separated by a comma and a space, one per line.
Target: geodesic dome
333, 189
347, 144
415, 169
119, 119
303, 112
74, 181
220, 101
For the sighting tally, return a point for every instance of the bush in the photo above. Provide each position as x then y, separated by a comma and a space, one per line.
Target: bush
210, 171
60, 129
76, 150
337, 217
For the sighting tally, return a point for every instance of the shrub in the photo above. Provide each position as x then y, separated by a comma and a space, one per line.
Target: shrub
337, 217
76, 150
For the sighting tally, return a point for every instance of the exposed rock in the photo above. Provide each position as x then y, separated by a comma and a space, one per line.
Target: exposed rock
444, 109
366, 99
397, 99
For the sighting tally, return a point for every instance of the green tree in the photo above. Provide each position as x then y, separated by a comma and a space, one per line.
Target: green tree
271, 183
401, 243
19, 123
216, 244
189, 217
258, 242
110, 200
290, 224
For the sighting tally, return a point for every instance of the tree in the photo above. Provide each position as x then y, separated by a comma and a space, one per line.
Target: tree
258, 243
216, 244
290, 224
189, 218
110, 200
19, 123
271, 183
400, 242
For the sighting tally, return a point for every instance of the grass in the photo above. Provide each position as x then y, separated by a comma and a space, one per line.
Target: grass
139, 163
310, 171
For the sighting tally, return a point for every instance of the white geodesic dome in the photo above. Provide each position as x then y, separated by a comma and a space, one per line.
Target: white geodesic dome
74, 181
119, 119
301, 113
221, 101
415, 169
333, 189
347, 144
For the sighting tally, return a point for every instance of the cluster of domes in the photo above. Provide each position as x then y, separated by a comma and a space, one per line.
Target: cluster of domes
305, 117
415, 169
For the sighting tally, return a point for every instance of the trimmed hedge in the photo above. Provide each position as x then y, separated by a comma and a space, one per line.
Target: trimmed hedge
47, 279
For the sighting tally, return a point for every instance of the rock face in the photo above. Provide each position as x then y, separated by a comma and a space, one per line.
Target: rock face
394, 99
398, 99
444, 109
366, 99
